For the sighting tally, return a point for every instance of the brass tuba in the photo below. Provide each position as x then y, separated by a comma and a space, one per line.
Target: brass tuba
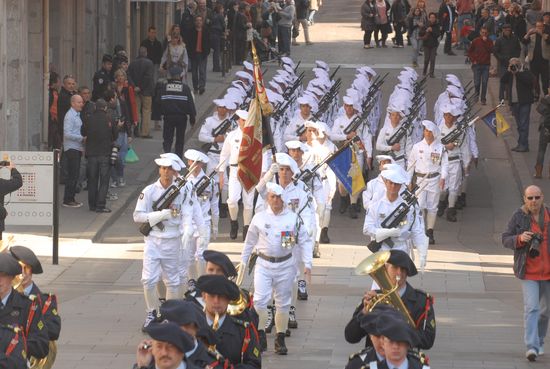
238, 306
46, 362
374, 265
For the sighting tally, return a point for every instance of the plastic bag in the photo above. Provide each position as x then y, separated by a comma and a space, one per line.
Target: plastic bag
131, 156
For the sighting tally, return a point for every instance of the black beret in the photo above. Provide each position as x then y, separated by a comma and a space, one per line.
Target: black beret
28, 257
171, 333
218, 285
397, 330
402, 259
9, 264
107, 58
182, 312
219, 258
369, 322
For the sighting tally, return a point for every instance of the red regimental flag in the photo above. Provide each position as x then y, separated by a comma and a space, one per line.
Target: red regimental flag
250, 151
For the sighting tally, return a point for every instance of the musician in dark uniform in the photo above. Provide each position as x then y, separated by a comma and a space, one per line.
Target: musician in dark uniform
418, 303
237, 339
12, 348
21, 311
48, 302
374, 353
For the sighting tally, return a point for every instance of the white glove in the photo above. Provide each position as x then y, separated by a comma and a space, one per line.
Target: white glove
274, 169
383, 233
422, 264
156, 217
214, 232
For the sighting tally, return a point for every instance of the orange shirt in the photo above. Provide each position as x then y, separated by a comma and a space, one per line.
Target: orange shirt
538, 269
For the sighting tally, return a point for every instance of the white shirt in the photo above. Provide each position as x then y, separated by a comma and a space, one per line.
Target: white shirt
230, 150
382, 142
205, 133
208, 200
459, 152
292, 127
341, 123
428, 159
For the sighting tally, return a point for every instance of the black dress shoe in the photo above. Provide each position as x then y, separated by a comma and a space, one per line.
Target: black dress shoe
201, 91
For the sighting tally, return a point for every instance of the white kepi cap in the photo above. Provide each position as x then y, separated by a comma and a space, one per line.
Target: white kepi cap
431, 126
295, 144
274, 188
196, 155
243, 114
380, 158
396, 176
285, 160
168, 162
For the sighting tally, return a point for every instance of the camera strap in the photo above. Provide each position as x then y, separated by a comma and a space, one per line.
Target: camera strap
541, 218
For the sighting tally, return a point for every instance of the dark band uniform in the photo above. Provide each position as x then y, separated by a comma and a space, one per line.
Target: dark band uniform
237, 339
24, 312
172, 333
47, 301
418, 302
12, 348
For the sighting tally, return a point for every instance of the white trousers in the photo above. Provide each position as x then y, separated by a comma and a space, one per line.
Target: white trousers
428, 198
454, 179
161, 257
236, 191
275, 279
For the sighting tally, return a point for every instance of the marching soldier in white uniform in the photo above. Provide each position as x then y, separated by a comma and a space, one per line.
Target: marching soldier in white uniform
376, 188
307, 107
230, 156
411, 229
459, 158
277, 236
207, 194
397, 151
163, 245
337, 134
428, 163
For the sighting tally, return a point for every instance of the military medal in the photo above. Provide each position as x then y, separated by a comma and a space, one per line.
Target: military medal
288, 240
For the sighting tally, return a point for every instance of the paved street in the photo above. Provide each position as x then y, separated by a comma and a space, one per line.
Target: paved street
478, 301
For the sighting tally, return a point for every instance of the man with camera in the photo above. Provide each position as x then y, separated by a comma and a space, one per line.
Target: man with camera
7, 186
527, 235
519, 94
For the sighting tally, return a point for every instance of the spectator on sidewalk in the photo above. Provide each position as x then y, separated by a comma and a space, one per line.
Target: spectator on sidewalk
368, 16
447, 18
241, 24
314, 6
141, 71
217, 31
54, 125
102, 78
465, 10
7, 186
64, 100
284, 27
100, 132
506, 47
480, 55
398, 16
176, 104
175, 54
533, 14
544, 134
186, 24
416, 22
73, 146
538, 53
519, 83
527, 229
495, 23
302, 8
430, 41
382, 23
198, 49
154, 49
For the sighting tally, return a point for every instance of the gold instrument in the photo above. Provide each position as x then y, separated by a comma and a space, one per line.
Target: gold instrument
46, 362
237, 307
212, 348
374, 265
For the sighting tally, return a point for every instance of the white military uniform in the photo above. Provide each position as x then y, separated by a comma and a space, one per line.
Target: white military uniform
292, 127
373, 192
208, 201
459, 158
399, 156
162, 254
230, 156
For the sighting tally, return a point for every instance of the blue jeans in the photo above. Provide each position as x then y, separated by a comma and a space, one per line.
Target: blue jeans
536, 299
416, 45
283, 38
460, 23
521, 114
122, 142
481, 77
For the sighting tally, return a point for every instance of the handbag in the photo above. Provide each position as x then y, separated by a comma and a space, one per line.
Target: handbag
131, 156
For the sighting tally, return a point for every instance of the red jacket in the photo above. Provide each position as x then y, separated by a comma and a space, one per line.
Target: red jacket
480, 51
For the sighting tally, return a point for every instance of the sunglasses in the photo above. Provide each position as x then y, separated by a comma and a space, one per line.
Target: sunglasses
533, 197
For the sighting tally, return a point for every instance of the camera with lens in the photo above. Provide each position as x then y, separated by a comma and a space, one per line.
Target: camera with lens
534, 245
514, 68
114, 155
4, 163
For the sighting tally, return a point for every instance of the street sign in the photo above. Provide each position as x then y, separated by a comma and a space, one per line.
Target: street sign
32, 204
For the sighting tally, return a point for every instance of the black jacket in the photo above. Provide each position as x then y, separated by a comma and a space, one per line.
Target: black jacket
506, 48
231, 336
176, 100
544, 110
302, 9
6, 186
430, 39
100, 132
101, 81
154, 50
192, 45
416, 301
12, 349
16, 312
50, 313
524, 86
363, 358
63, 105
141, 72
445, 16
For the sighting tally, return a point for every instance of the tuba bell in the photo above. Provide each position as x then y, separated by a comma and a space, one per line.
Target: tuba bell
238, 306
374, 265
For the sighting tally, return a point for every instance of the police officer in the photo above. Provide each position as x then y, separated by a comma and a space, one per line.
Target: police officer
419, 304
102, 78
21, 311
277, 238
176, 104
208, 201
236, 339
163, 252
428, 162
166, 348
47, 301
230, 157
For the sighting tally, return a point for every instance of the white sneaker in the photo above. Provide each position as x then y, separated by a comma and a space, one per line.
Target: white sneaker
541, 351
121, 182
531, 354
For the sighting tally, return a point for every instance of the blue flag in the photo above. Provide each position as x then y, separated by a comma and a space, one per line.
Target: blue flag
346, 167
491, 121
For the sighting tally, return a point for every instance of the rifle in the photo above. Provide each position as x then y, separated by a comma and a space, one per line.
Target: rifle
334, 73
289, 91
405, 126
203, 183
297, 65
282, 107
327, 99
359, 119
166, 199
397, 216
223, 127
